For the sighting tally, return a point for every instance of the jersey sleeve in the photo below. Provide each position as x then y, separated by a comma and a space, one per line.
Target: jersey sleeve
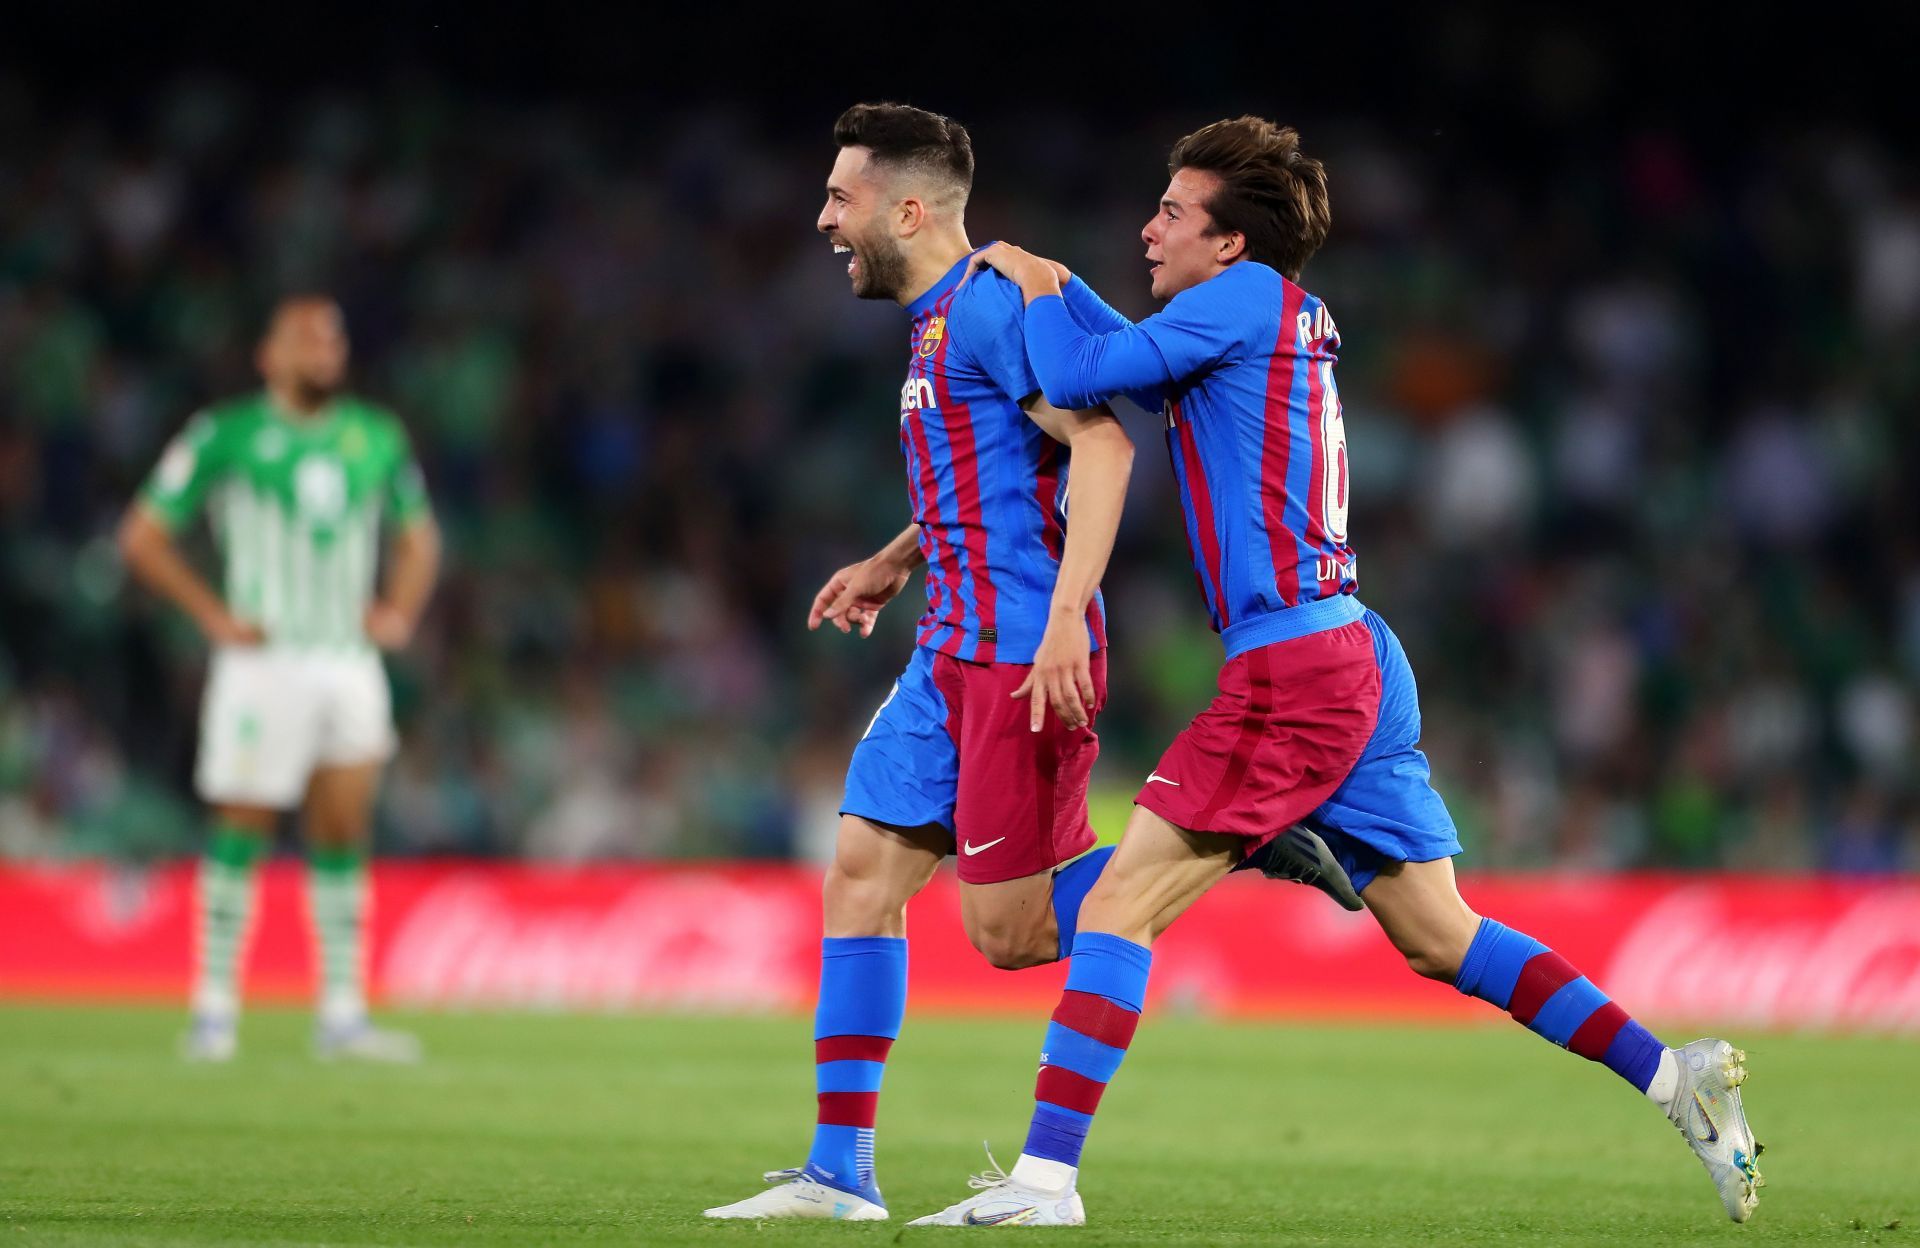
1092, 313
1078, 369
992, 331
1200, 327
1097, 316
188, 467
406, 486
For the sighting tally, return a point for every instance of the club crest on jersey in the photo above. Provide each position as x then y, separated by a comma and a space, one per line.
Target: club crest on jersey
931, 337
320, 488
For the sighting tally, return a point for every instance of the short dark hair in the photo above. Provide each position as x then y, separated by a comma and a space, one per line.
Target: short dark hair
903, 137
1270, 190
284, 300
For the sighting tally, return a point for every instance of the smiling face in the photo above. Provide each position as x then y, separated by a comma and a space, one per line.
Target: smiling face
1182, 249
857, 218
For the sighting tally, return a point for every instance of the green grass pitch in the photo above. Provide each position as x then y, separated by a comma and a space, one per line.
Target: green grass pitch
618, 1130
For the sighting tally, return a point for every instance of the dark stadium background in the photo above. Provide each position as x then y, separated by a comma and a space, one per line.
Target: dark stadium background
1629, 303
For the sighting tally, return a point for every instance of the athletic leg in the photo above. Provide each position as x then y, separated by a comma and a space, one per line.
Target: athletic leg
1397, 841
241, 838
1020, 814
863, 985
1032, 920
894, 830
256, 745
1287, 726
1696, 1085
1157, 872
337, 823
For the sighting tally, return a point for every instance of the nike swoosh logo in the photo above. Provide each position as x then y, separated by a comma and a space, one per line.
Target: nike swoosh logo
995, 1219
1153, 776
971, 850
1712, 1133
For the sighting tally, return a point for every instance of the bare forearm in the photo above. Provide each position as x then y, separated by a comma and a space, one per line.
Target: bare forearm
414, 567
157, 563
904, 550
1102, 465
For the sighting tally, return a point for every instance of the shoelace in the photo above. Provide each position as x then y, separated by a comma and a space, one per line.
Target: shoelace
782, 1176
993, 1176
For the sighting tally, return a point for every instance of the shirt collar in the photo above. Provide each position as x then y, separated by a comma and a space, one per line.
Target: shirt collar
947, 282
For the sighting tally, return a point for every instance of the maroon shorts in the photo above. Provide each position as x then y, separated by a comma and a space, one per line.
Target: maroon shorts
1287, 726
1020, 806
951, 746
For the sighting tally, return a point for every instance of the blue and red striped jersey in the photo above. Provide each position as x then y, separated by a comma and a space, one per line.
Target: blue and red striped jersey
988, 486
1242, 365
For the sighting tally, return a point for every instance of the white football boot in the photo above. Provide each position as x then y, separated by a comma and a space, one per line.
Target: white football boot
999, 1201
799, 1193
210, 1038
358, 1040
1706, 1107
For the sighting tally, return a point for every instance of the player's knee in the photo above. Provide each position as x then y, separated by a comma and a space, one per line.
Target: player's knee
856, 900
1115, 904
1436, 954
1432, 962
1011, 950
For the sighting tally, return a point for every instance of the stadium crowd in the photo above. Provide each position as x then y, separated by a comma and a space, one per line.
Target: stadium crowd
1633, 433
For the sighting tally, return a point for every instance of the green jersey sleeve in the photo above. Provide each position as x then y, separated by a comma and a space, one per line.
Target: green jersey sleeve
406, 485
187, 469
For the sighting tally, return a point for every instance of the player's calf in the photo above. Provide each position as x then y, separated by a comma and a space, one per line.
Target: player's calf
1697, 1085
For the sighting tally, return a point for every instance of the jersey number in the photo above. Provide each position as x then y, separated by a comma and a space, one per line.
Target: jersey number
1333, 448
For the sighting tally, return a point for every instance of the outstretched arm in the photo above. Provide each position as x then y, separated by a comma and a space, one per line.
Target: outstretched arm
1093, 313
1076, 368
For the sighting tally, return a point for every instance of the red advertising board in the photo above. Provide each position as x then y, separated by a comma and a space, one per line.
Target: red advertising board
1765, 951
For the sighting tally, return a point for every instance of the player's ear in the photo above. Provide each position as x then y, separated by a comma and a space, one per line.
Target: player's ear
909, 215
1233, 246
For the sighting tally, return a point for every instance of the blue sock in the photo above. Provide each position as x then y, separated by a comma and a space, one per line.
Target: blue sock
1547, 996
1070, 885
863, 996
1086, 1041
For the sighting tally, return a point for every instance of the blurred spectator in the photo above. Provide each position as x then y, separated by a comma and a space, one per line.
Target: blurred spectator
1633, 431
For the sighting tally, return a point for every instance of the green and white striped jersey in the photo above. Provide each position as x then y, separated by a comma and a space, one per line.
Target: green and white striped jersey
296, 504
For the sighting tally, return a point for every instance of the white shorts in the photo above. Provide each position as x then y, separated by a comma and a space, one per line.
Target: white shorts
272, 715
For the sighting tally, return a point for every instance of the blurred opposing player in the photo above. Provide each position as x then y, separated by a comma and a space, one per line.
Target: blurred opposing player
961, 757
297, 480
1317, 716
